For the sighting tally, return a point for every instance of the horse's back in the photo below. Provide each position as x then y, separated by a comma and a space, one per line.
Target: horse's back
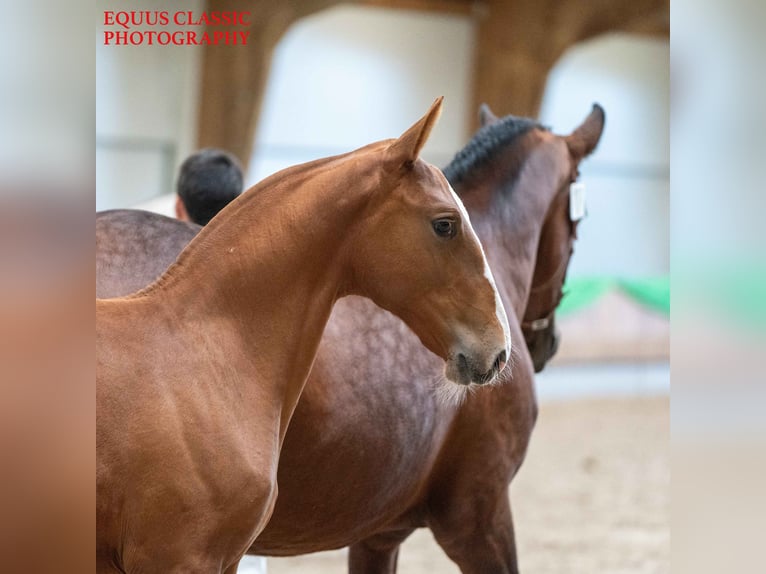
133, 248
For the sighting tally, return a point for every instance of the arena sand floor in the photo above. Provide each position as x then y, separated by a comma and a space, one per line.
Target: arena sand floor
592, 496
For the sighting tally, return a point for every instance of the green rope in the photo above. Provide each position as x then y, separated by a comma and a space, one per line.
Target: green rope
734, 291
651, 292
582, 292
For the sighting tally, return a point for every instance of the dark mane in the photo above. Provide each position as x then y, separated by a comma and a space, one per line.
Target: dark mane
485, 144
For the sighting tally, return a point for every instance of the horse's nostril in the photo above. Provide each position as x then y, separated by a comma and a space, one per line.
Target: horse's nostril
462, 364
500, 361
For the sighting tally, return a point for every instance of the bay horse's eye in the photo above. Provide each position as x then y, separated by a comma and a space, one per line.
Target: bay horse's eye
444, 228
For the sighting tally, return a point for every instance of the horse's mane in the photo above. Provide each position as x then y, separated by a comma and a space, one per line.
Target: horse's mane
485, 144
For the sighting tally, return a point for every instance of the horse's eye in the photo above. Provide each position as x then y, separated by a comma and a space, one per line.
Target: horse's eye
444, 228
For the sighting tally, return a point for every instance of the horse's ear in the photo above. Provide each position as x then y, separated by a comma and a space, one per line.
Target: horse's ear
406, 149
486, 117
585, 138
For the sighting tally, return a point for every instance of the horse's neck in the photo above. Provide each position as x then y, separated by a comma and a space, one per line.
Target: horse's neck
270, 268
509, 226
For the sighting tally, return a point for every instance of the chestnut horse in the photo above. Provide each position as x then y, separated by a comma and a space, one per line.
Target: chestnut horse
198, 374
363, 467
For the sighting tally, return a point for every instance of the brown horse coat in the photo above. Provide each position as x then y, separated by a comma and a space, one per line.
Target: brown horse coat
199, 373
371, 452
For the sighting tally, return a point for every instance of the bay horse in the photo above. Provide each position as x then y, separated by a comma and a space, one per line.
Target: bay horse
554, 250
362, 466
198, 374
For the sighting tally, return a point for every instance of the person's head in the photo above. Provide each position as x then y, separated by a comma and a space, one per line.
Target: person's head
207, 182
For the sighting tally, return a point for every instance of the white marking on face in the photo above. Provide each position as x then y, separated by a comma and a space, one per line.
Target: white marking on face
499, 309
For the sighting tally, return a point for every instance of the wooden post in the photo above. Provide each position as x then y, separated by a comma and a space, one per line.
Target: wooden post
519, 42
234, 77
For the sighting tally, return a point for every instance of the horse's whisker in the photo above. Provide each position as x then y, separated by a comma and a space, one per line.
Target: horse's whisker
448, 393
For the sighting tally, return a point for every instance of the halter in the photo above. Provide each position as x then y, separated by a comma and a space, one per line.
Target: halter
532, 326
544, 322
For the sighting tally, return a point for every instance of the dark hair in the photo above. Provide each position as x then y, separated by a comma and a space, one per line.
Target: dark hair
485, 145
207, 182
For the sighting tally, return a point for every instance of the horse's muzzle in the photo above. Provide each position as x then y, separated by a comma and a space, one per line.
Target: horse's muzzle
471, 371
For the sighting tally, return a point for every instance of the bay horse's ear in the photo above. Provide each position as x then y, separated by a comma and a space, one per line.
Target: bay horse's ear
486, 117
406, 149
585, 138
